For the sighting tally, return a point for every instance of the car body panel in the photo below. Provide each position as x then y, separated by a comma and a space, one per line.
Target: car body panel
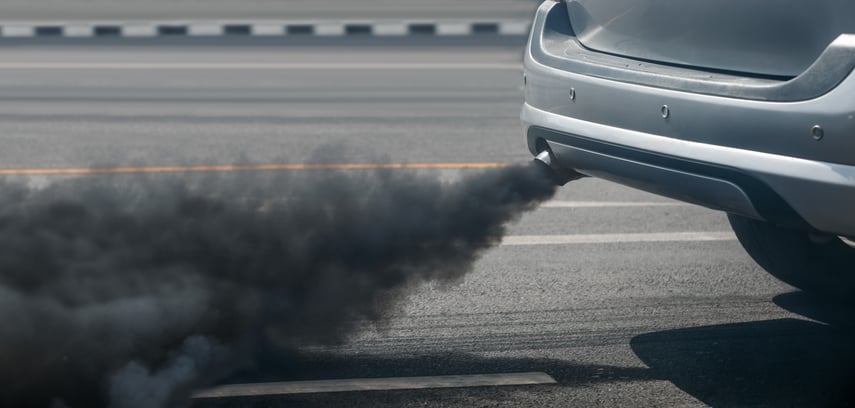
777, 127
770, 143
822, 194
767, 37
558, 46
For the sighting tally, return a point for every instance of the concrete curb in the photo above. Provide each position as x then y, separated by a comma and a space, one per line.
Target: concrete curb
262, 29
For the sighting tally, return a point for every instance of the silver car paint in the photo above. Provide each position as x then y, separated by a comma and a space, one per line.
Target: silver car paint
561, 49
772, 37
770, 140
772, 127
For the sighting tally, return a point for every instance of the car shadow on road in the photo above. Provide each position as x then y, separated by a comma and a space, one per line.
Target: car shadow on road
783, 362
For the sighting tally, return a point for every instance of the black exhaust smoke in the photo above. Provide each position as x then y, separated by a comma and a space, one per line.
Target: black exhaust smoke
130, 291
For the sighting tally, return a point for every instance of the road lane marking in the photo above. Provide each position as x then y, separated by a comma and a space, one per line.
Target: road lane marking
376, 384
608, 204
18, 31
249, 167
267, 30
258, 66
519, 240
266, 27
391, 29
205, 29
453, 29
79, 31
140, 30
329, 29
514, 28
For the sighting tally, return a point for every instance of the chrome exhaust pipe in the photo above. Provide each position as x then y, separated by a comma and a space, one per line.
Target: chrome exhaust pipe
557, 173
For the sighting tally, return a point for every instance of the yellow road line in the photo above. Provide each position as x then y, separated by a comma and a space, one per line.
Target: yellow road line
248, 167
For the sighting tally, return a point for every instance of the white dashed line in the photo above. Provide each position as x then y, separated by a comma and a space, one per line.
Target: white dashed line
204, 30
606, 204
141, 30
329, 29
514, 28
79, 31
261, 28
453, 29
376, 384
18, 31
390, 29
516, 240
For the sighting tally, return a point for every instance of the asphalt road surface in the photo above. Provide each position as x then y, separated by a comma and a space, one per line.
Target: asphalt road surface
111, 10
640, 308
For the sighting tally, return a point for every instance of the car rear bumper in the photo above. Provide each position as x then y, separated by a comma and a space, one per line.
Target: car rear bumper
781, 189
737, 153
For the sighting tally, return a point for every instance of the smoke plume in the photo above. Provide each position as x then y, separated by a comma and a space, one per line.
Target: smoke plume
130, 291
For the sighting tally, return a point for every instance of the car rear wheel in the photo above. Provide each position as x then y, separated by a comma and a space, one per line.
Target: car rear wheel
820, 265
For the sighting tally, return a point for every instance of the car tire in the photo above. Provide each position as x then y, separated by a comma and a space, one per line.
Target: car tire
819, 266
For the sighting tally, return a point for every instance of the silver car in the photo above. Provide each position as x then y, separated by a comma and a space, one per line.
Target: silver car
742, 106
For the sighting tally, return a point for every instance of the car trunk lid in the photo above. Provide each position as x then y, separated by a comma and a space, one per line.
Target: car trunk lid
778, 38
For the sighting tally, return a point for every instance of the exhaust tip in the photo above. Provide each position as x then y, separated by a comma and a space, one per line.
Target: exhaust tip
557, 173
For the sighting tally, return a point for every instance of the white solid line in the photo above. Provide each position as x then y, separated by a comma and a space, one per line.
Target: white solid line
515, 240
608, 204
375, 384
257, 66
